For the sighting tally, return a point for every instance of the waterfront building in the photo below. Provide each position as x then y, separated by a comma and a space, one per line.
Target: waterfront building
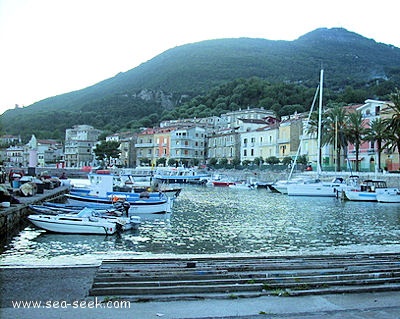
7, 140
290, 130
235, 119
224, 143
162, 145
79, 144
259, 143
188, 145
145, 147
128, 151
368, 153
15, 156
43, 153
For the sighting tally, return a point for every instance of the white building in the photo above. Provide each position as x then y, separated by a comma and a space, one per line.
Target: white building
188, 145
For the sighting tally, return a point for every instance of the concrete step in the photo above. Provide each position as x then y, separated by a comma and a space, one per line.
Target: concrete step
250, 276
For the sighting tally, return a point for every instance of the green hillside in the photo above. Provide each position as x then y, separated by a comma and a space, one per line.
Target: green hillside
163, 87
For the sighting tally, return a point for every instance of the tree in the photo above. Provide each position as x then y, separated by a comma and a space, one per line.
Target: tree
377, 133
394, 122
287, 160
246, 162
272, 160
161, 161
355, 132
334, 130
223, 162
258, 161
213, 162
172, 162
302, 160
236, 162
106, 150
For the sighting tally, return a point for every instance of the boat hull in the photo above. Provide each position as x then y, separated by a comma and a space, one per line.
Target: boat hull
370, 196
137, 206
355, 195
222, 184
59, 224
314, 189
388, 198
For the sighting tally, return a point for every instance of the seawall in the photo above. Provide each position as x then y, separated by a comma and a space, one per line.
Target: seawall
13, 217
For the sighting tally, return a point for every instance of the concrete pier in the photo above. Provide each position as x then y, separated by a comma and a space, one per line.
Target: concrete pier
11, 218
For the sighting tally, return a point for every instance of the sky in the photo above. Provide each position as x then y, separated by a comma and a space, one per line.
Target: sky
51, 47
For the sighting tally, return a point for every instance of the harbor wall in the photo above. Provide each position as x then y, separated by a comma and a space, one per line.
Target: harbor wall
392, 179
13, 217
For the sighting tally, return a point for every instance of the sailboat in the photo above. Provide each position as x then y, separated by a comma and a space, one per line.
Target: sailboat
316, 187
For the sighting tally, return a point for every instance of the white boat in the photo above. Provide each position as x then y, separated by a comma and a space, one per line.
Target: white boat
82, 223
181, 175
388, 197
243, 186
137, 205
316, 188
112, 215
220, 180
281, 185
368, 191
106, 185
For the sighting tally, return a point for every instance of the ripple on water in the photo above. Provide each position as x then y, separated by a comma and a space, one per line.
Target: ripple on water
208, 220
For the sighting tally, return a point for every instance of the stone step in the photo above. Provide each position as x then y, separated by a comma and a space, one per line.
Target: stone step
245, 276
225, 275
249, 277
233, 294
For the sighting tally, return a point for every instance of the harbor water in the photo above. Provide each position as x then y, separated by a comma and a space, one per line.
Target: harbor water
220, 220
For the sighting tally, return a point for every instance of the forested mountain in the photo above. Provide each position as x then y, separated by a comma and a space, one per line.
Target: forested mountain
213, 76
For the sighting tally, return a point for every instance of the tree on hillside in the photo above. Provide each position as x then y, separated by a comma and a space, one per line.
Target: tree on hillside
106, 150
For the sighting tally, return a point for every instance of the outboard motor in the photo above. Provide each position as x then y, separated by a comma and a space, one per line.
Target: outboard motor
126, 207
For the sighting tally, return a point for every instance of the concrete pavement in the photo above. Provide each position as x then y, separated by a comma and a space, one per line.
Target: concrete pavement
63, 293
369, 305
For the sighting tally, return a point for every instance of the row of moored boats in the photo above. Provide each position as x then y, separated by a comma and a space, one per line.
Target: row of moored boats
351, 188
97, 208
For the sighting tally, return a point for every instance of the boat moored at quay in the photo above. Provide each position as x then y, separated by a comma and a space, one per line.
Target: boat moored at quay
369, 190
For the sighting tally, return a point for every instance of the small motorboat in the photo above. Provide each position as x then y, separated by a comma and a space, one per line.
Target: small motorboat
368, 190
73, 209
243, 185
113, 214
137, 205
82, 223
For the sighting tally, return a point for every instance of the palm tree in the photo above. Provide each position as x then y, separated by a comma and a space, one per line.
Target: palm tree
355, 132
394, 122
377, 132
334, 130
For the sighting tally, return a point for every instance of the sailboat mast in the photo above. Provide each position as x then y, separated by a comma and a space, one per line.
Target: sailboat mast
321, 81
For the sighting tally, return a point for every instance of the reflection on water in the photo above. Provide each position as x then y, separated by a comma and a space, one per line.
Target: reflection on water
210, 220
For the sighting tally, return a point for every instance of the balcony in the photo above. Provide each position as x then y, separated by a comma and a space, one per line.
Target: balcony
283, 141
144, 145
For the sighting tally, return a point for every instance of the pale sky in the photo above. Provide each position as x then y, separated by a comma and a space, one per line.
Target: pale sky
51, 47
